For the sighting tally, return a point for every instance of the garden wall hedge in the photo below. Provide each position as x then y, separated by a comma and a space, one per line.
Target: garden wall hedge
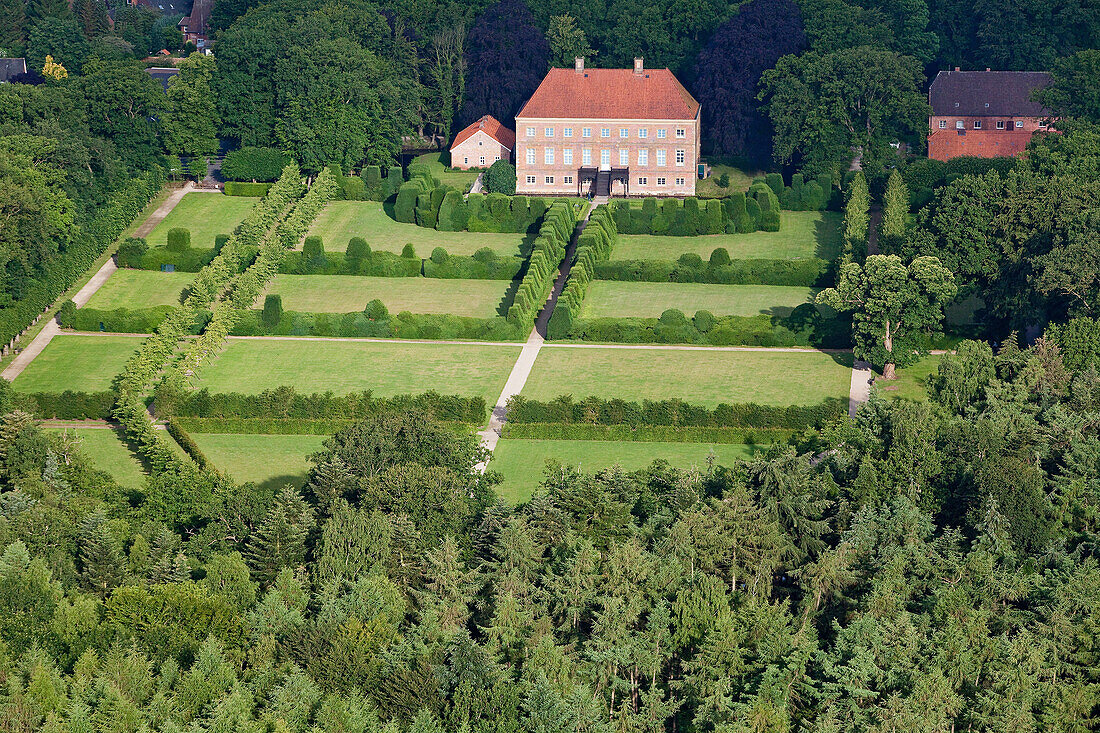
646, 433
125, 320
593, 247
674, 412
376, 322
756, 210
720, 269
542, 267
360, 259
239, 188
253, 164
67, 405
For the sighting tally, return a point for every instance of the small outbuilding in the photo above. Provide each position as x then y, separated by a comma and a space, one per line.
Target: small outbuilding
482, 143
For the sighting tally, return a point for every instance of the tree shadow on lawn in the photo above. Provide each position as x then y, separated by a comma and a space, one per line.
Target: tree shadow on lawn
817, 326
828, 235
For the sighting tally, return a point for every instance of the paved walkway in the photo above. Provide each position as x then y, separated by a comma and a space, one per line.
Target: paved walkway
860, 389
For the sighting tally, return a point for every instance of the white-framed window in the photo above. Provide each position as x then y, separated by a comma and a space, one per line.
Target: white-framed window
567, 156
605, 132
549, 180
567, 132
643, 157
567, 179
530, 132
586, 132
530, 179
548, 156
548, 132
680, 132
643, 181
1000, 124
679, 157
624, 157
943, 124
623, 132
530, 156
605, 157
660, 181
643, 133
1019, 123
661, 132
481, 161
661, 159
679, 181
977, 124
586, 156
960, 125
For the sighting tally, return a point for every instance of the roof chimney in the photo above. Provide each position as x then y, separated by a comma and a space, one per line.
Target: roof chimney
987, 68
578, 64
638, 65
957, 69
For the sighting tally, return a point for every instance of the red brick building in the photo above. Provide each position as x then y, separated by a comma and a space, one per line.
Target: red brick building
482, 143
623, 132
984, 113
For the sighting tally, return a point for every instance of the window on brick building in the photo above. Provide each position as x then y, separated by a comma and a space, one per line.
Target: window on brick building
549, 179
661, 159
530, 156
623, 132
605, 157
624, 157
548, 132
679, 181
643, 157
977, 124
586, 156
530, 132
643, 181
548, 156
567, 132
605, 132
530, 179
567, 156
959, 125
679, 132
943, 124
482, 160
661, 134
679, 157
465, 161
567, 179
643, 133
586, 132
1000, 124
1019, 123
660, 181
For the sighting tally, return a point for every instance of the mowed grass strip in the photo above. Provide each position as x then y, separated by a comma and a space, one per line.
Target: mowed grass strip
342, 220
523, 462
803, 234
206, 214
252, 365
614, 299
77, 362
141, 289
347, 293
462, 180
912, 381
699, 376
109, 451
272, 460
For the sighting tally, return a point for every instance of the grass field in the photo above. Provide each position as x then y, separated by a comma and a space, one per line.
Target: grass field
140, 289
699, 376
108, 450
912, 381
342, 220
81, 363
206, 214
613, 299
462, 180
803, 234
273, 460
253, 365
523, 462
347, 293
708, 188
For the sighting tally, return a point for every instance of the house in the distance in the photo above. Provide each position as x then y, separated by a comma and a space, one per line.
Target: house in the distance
193, 25
482, 143
622, 132
162, 74
984, 113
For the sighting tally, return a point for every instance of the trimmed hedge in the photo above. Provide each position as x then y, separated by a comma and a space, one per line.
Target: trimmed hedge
67, 405
646, 433
593, 247
239, 188
285, 403
675, 413
694, 217
86, 246
691, 268
375, 322
190, 447
126, 320
485, 264
377, 264
542, 267
254, 164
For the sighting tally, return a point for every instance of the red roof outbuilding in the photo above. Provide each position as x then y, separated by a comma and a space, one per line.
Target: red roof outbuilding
490, 126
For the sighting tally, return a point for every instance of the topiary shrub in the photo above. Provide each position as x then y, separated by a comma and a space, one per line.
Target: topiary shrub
219, 242
719, 257
179, 239
273, 311
673, 317
440, 256
715, 221
357, 251
408, 251
354, 189
313, 254
376, 310
704, 321
775, 183
254, 164
500, 178
131, 251
690, 259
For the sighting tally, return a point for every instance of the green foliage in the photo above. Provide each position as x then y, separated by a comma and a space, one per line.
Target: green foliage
179, 239
273, 310
895, 213
500, 178
857, 216
236, 188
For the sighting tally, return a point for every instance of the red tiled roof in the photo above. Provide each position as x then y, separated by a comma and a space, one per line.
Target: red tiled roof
655, 94
490, 126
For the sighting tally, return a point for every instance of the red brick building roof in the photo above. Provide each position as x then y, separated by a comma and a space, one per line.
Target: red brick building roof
490, 126
653, 94
976, 93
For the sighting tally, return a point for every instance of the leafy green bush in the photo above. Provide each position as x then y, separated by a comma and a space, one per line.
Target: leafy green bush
179, 239
273, 310
131, 252
67, 405
691, 268
254, 164
238, 188
500, 178
357, 251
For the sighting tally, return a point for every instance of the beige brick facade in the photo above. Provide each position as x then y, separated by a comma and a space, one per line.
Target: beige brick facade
478, 151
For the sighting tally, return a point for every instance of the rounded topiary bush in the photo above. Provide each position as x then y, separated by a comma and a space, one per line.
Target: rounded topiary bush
719, 257
704, 321
485, 255
673, 317
408, 251
358, 249
690, 259
376, 310
440, 256
179, 239
131, 251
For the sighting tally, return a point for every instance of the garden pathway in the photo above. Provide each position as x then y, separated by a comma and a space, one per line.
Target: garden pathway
862, 376
39, 343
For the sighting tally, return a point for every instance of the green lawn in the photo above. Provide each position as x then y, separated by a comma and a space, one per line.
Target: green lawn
265, 459
803, 234
708, 188
82, 363
912, 381
614, 299
206, 214
342, 220
698, 376
109, 451
347, 293
140, 289
462, 180
523, 462
253, 365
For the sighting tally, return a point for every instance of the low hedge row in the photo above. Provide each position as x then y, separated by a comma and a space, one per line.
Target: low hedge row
286, 403
81, 253
542, 268
377, 264
376, 322
238, 188
185, 441
67, 405
485, 264
674, 413
720, 269
125, 320
593, 247
756, 210
253, 163
801, 195
360, 259
646, 433
805, 326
